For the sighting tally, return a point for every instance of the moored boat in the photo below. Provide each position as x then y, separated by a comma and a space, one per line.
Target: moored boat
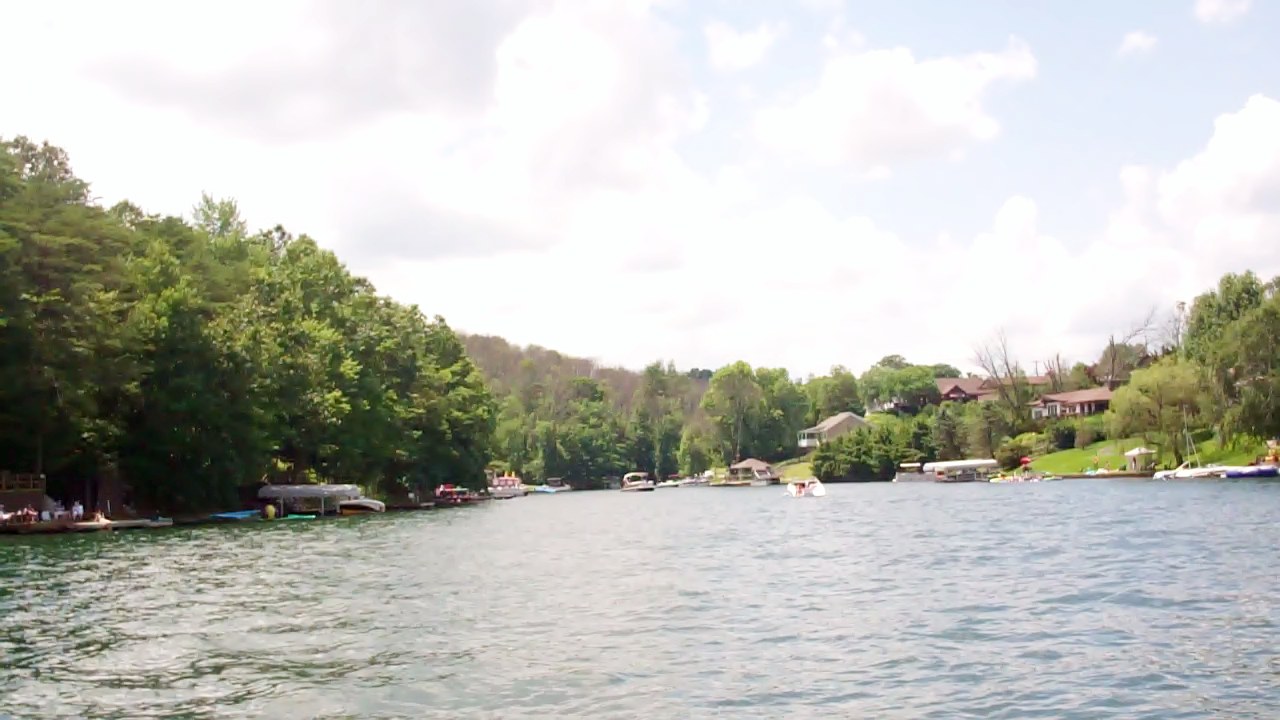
637, 482
1253, 471
361, 506
507, 486
449, 495
912, 472
1190, 470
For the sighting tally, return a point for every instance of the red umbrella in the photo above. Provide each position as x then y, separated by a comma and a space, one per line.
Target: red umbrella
1026, 460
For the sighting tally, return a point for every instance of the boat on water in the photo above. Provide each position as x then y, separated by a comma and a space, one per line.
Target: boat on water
958, 471
252, 516
1027, 478
912, 472
812, 487
361, 506
142, 523
1253, 471
1191, 470
506, 487
449, 495
637, 482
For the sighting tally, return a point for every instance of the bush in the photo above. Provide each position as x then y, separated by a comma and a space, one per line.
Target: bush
1011, 452
1084, 436
1062, 435
1090, 430
1036, 443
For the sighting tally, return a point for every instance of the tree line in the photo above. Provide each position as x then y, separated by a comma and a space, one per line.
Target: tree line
190, 356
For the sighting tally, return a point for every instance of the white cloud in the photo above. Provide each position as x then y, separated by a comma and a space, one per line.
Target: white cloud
1136, 42
882, 107
1221, 11
551, 198
730, 49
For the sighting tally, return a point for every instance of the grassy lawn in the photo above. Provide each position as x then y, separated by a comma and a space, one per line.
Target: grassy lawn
795, 471
1110, 454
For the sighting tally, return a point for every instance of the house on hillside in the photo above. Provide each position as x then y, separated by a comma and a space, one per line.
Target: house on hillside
964, 389
1076, 403
829, 429
1037, 383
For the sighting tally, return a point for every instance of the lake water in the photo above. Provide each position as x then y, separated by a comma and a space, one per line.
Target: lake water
1078, 599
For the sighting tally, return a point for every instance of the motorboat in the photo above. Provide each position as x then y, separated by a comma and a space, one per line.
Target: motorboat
637, 482
361, 506
449, 495
1189, 470
812, 487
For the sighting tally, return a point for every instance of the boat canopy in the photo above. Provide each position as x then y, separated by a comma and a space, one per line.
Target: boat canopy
953, 465
290, 492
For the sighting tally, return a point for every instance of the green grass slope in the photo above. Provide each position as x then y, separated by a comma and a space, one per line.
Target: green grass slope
1110, 454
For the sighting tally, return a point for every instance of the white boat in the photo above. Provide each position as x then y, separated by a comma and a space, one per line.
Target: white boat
361, 506
912, 472
507, 486
812, 487
637, 482
1189, 470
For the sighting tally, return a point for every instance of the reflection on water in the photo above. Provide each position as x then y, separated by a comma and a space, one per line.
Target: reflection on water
1078, 599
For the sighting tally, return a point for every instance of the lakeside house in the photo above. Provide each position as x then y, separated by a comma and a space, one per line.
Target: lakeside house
829, 429
965, 389
752, 472
1077, 403
968, 389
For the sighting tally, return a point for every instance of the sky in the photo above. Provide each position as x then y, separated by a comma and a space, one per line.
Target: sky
796, 186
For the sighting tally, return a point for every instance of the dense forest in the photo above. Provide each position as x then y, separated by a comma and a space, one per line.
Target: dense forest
191, 357
569, 417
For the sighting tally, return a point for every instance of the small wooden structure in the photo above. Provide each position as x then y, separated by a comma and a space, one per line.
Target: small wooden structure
1140, 459
752, 472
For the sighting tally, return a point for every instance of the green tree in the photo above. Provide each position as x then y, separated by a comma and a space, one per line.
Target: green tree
733, 400
1161, 402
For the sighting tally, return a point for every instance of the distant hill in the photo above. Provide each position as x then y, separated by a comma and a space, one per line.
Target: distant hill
509, 367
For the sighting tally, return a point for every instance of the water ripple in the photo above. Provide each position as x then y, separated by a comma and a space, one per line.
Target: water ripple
1068, 600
